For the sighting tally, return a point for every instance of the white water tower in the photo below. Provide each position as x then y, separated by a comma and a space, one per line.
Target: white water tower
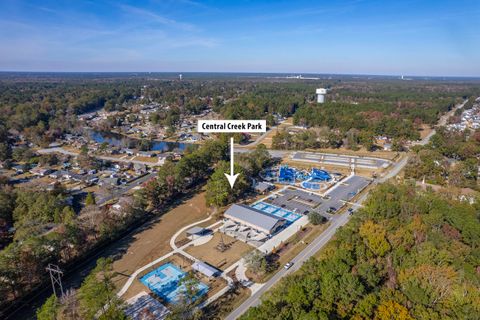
321, 92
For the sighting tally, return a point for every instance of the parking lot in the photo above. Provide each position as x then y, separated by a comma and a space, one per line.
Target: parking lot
297, 200
303, 202
344, 192
341, 160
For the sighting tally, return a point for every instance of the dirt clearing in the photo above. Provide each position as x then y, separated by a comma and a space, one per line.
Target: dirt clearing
154, 240
209, 253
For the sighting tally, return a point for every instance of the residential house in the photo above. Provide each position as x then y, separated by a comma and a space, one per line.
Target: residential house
42, 172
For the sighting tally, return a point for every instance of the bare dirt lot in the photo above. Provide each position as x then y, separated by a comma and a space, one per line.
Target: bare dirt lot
154, 241
425, 130
208, 252
267, 140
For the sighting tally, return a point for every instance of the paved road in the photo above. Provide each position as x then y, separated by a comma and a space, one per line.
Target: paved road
312, 248
441, 122
119, 191
273, 153
75, 154
258, 140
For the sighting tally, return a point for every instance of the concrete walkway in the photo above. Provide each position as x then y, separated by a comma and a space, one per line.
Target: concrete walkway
243, 279
135, 274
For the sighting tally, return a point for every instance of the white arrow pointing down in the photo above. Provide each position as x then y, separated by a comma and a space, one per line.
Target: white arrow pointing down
231, 177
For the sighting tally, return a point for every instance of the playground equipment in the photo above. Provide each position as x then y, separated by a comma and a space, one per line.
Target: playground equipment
320, 175
222, 246
314, 179
286, 175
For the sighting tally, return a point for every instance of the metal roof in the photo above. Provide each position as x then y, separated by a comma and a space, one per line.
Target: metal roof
253, 217
196, 230
206, 269
262, 186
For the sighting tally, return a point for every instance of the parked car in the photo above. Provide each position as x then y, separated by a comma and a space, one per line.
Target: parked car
288, 265
332, 210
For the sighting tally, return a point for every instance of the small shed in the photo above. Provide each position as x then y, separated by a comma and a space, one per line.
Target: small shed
263, 187
206, 269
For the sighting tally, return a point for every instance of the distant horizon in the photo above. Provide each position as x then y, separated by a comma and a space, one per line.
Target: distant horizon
406, 76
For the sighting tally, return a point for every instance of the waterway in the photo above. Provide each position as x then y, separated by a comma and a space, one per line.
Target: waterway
119, 140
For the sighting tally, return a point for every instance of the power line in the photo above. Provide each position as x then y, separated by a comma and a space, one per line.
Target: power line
55, 277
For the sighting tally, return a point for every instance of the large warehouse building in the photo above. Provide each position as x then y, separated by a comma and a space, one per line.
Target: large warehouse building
255, 219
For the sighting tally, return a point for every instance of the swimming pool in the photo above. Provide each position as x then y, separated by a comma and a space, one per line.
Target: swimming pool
165, 282
276, 211
310, 185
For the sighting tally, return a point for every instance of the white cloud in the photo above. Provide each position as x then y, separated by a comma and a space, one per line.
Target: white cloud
154, 17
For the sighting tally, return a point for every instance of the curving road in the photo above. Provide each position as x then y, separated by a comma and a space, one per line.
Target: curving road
113, 159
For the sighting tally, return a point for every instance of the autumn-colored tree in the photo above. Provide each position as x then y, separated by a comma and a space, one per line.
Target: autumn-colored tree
391, 310
374, 236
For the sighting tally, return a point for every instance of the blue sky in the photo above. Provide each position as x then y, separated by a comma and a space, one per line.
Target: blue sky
434, 37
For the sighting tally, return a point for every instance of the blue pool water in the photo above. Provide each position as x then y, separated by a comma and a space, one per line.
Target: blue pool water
276, 211
310, 185
164, 282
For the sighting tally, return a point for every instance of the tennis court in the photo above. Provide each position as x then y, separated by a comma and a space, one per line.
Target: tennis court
276, 211
165, 283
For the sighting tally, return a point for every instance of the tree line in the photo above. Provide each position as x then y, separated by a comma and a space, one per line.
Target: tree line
407, 254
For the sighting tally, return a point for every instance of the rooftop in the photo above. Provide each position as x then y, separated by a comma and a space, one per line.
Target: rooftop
253, 217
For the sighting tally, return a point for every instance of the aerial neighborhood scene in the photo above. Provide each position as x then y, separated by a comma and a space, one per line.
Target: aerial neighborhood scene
239, 160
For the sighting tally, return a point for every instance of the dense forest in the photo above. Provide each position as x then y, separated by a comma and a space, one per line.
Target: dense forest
406, 255
336, 124
42, 109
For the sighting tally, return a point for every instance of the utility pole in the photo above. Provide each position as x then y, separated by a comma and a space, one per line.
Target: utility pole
55, 277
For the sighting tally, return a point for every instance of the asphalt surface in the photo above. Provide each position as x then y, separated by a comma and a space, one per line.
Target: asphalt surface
121, 190
327, 158
323, 239
303, 201
341, 160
